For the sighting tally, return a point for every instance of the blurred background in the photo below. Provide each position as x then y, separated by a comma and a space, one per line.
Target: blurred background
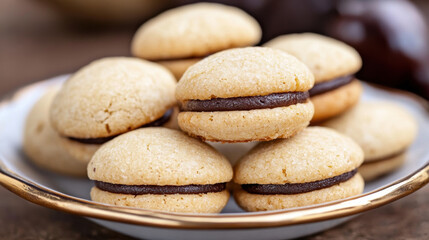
44, 38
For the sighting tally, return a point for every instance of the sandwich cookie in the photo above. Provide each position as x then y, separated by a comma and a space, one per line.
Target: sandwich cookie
180, 37
42, 144
333, 64
160, 169
109, 97
317, 165
383, 130
245, 94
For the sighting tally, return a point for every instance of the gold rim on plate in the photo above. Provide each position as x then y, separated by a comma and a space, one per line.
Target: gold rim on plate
52, 199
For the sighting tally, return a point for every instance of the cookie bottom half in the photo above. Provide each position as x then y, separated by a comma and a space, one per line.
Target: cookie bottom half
373, 170
184, 203
245, 126
258, 202
179, 66
334, 102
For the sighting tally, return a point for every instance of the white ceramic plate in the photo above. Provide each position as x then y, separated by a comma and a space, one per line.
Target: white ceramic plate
72, 195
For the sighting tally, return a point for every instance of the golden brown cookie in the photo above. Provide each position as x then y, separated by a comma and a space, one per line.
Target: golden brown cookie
182, 36
384, 131
315, 166
109, 97
160, 169
245, 94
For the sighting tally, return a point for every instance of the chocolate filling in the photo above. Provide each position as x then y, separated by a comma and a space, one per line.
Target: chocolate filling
386, 158
245, 103
295, 188
158, 122
323, 87
155, 189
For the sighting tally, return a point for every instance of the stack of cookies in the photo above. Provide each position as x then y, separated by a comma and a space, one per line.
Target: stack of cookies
333, 64
102, 100
383, 130
110, 117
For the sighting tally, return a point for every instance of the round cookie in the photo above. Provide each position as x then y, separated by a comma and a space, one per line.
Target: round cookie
333, 64
109, 97
182, 36
160, 169
317, 165
245, 94
383, 130
41, 142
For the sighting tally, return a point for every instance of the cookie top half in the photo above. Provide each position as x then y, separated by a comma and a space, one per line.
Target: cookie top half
195, 30
242, 72
314, 154
326, 57
158, 156
111, 96
382, 129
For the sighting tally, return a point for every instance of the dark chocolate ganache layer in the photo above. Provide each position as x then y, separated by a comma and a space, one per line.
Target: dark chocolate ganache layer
245, 103
158, 122
296, 188
323, 87
155, 189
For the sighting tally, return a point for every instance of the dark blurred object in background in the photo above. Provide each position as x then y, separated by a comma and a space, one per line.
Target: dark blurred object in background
391, 37
421, 77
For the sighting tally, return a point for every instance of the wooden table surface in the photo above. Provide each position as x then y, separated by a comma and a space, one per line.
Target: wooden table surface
35, 45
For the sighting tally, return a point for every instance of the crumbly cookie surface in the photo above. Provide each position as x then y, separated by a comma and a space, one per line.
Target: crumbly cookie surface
251, 71
112, 96
314, 154
158, 156
195, 30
